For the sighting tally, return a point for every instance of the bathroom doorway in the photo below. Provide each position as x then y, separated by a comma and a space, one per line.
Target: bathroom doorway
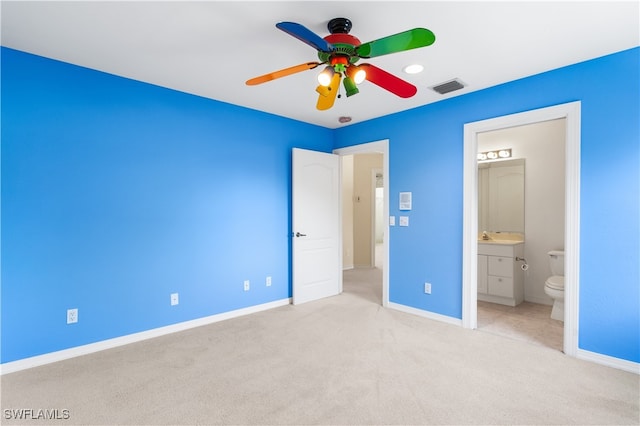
520, 209
571, 114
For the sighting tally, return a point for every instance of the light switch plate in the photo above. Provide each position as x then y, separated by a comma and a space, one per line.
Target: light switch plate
392, 221
404, 220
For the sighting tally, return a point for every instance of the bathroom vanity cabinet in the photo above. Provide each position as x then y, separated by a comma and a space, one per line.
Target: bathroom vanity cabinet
500, 277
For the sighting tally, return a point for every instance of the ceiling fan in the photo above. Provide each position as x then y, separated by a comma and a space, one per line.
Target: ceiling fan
340, 52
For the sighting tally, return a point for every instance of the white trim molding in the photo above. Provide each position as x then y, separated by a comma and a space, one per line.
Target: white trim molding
36, 361
382, 147
571, 112
609, 361
425, 314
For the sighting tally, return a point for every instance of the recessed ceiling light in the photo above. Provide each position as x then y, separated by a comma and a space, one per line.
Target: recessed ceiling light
413, 69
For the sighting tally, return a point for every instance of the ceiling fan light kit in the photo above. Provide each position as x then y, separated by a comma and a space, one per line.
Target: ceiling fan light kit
324, 78
340, 51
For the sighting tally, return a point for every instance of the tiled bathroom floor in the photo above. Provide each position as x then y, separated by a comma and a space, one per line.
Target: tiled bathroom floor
528, 321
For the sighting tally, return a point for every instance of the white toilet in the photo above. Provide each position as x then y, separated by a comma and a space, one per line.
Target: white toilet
554, 286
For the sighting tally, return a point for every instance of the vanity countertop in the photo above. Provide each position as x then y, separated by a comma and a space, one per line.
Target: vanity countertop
502, 242
501, 238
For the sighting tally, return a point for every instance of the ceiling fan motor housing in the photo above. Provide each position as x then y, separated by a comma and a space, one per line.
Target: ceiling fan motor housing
339, 25
345, 45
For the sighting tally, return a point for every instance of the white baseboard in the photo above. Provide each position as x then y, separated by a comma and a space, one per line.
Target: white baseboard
23, 364
26, 363
347, 267
609, 361
425, 314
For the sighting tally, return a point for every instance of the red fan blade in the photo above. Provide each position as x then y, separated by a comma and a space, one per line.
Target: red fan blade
282, 73
389, 82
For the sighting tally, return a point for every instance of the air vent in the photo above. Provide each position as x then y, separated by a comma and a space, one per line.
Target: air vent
449, 86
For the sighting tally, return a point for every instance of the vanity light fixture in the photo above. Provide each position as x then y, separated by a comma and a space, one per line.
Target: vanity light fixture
494, 155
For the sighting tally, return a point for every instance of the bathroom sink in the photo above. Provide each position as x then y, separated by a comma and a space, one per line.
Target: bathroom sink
494, 241
505, 238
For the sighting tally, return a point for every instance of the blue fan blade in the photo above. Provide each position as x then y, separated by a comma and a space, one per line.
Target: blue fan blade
306, 35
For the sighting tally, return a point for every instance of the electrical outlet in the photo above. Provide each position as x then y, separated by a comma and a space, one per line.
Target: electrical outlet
246, 285
72, 316
174, 299
268, 281
427, 288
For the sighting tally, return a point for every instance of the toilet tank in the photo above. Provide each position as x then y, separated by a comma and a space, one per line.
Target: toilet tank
556, 262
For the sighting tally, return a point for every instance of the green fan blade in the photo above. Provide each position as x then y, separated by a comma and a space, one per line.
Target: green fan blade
407, 40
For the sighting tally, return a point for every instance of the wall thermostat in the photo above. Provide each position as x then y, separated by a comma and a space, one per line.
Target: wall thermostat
405, 201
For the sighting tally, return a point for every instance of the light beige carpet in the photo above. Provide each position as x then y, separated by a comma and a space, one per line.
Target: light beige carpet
342, 360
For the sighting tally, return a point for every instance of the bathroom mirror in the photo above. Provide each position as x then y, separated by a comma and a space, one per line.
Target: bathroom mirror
501, 196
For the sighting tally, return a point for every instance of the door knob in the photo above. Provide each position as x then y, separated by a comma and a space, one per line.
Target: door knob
300, 235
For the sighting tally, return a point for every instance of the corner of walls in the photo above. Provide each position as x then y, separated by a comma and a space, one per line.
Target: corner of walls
117, 194
426, 158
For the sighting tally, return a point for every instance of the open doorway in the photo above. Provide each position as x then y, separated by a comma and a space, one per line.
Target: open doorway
521, 198
365, 255
570, 112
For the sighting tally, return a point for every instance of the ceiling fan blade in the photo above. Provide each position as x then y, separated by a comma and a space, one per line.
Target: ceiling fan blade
282, 73
328, 94
407, 40
306, 36
389, 82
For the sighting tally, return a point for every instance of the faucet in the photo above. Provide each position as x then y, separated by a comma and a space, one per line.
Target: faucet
485, 236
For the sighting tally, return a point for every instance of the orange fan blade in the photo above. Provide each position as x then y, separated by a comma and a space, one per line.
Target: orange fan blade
328, 94
282, 73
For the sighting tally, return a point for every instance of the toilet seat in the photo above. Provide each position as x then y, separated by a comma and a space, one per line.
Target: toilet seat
555, 282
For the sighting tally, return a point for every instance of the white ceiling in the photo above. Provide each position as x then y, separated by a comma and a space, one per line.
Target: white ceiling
210, 48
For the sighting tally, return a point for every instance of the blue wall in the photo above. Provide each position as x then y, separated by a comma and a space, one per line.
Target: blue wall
426, 157
116, 193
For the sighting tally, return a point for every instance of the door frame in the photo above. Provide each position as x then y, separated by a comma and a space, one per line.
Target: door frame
374, 181
379, 147
571, 112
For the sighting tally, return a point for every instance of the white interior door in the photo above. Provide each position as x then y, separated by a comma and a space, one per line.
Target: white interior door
316, 225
